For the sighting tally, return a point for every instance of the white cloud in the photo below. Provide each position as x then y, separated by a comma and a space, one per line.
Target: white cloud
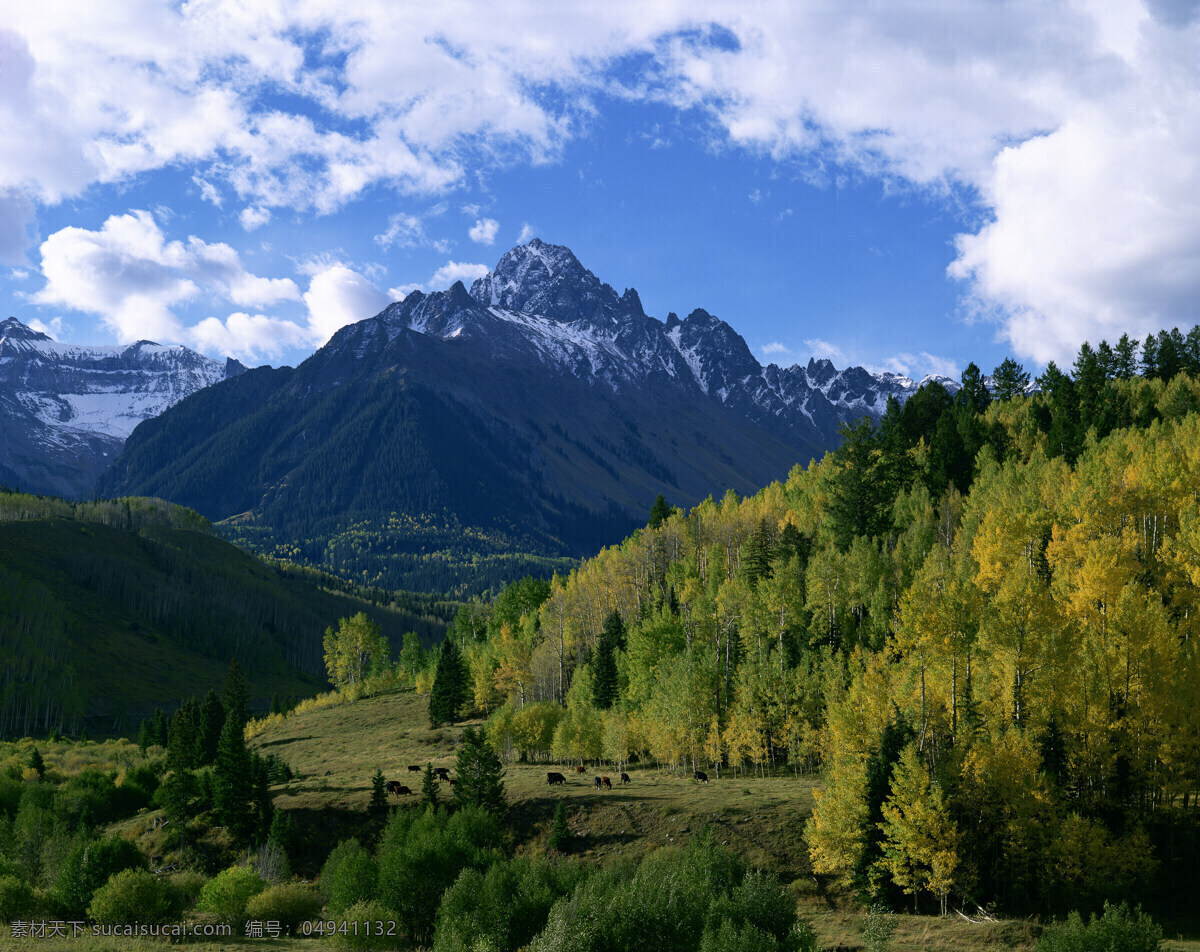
208, 192
133, 277
453, 271
248, 337
528, 232
254, 216
53, 329
337, 296
823, 350
920, 365
775, 348
483, 232
17, 214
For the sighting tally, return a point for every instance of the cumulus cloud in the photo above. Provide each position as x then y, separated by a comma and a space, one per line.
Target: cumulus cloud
920, 365
408, 231
254, 216
337, 296
1075, 123
52, 328
823, 350
248, 337
453, 271
776, 349
528, 232
129, 274
483, 232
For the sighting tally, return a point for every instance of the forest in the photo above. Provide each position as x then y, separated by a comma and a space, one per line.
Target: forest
976, 620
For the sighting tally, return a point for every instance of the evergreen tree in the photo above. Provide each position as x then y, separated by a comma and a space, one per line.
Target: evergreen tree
262, 801
235, 697
181, 738
283, 830
480, 774
660, 511
604, 675
232, 780
37, 763
180, 791
276, 707
212, 719
973, 395
378, 807
1009, 380
1125, 358
861, 489
449, 691
870, 884
560, 833
158, 728
760, 551
429, 788
1150, 357
144, 740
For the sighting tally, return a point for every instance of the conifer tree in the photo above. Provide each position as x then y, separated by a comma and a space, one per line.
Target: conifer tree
560, 833
378, 806
604, 675
37, 763
235, 696
449, 691
660, 511
260, 792
232, 780
144, 740
480, 774
429, 788
208, 733
181, 738
158, 728
1125, 358
1009, 380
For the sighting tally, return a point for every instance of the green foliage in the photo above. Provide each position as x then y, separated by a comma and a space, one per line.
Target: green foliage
355, 649
877, 929
560, 834
135, 895
366, 928
479, 774
289, 904
208, 728
16, 898
1117, 930
227, 893
350, 875
88, 866
504, 907
232, 780
378, 805
659, 511
36, 763
449, 691
429, 788
422, 853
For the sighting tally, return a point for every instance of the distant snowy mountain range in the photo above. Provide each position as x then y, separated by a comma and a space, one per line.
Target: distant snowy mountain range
67, 409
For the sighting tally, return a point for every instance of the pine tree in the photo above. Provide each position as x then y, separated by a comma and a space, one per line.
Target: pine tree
1125, 358
378, 807
208, 733
181, 738
560, 833
37, 763
895, 736
604, 675
480, 774
660, 512
144, 740
232, 780
429, 788
235, 697
1009, 380
759, 552
1150, 357
158, 728
283, 830
262, 800
449, 691
973, 394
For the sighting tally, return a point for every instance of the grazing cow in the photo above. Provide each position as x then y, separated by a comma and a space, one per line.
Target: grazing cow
451, 780
396, 787
607, 783
414, 768
553, 777
581, 769
701, 776
625, 778
443, 772
598, 783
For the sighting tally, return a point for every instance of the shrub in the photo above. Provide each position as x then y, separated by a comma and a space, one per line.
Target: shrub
88, 866
135, 895
188, 884
227, 893
1117, 930
289, 904
877, 929
16, 898
349, 876
367, 927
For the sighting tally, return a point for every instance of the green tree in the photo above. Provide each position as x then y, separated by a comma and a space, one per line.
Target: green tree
232, 780
353, 650
479, 781
37, 763
1125, 358
235, 696
560, 833
158, 728
449, 691
429, 788
604, 662
660, 511
1009, 380
144, 740
181, 738
1117, 930
208, 733
378, 807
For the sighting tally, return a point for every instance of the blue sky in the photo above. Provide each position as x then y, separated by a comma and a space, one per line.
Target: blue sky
906, 186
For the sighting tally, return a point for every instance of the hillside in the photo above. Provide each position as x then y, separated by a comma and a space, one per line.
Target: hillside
110, 609
459, 440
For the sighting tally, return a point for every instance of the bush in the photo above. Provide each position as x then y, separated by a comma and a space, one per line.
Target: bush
363, 928
289, 904
349, 876
88, 866
135, 895
16, 898
1117, 930
227, 893
188, 884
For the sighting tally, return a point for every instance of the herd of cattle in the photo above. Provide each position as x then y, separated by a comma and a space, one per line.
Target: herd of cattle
553, 778
400, 790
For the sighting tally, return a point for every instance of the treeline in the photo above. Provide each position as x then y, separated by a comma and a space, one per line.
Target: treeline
110, 608
976, 620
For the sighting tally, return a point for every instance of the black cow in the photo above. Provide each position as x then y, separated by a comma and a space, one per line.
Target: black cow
701, 776
442, 772
396, 787
625, 778
413, 768
598, 783
553, 777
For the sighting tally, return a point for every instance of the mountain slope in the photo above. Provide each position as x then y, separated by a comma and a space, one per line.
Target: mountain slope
540, 414
109, 609
66, 409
